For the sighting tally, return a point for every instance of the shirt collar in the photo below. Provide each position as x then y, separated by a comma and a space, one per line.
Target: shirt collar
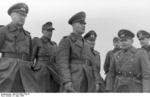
130, 49
76, 36
13, 27
45, 39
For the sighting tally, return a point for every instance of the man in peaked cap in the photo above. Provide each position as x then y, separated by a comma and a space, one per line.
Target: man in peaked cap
20, 10
124, 36
75, 70
109, 55
129, 70
144, 38
16, 75
91, 35
94, 57
43, 56
116, 44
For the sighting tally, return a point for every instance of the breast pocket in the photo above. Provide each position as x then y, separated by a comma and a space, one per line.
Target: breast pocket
77, 47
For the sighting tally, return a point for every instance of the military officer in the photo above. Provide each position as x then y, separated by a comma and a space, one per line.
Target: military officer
130, 68
144, 38
72, 63
15, 46
44, 53
90, 38
109, 55
116, 44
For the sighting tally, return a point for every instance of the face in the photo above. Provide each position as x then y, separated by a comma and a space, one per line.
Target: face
18, 18
144, 41
117, 44
79, 27
92, 43
126, 43
48, 33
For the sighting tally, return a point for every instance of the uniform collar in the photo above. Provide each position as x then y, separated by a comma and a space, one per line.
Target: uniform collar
147, 47
13, 27
45, 39
76, 36
116, 49
96, 52
130, 49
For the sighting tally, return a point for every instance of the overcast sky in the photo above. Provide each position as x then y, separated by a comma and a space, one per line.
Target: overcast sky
106, 17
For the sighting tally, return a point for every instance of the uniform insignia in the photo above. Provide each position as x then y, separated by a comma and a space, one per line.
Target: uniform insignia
92, 36
123, 35
23, 9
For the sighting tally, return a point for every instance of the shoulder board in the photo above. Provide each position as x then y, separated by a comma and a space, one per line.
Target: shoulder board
27, 33
54, 43
37, 40
96, 52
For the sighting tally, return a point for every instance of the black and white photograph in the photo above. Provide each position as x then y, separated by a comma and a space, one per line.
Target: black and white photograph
74, 46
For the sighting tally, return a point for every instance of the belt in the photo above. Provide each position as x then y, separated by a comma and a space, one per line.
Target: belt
81, 61
24, 57
129, 74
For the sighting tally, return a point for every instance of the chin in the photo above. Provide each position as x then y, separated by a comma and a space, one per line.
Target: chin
21, 24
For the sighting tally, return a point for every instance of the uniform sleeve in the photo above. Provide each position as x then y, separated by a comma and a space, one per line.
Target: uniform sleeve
2, 38
97, 69
62, 60
145, 66
111, 76
107, 62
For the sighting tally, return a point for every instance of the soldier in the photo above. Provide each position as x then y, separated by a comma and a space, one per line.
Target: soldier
15, 46
73, 65
144, 38
90, 38
109, 55
130, 68
44, 52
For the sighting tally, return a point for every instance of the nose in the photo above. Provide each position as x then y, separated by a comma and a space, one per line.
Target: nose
23, 17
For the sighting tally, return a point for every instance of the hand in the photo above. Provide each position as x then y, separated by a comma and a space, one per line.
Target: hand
100, 87
68, 87
35, 68
97, 87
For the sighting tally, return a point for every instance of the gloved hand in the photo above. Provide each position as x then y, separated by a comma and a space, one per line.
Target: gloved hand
68, 87
100, 87
97, 87
35, 68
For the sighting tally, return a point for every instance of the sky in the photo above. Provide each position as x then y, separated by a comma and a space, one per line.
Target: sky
106, 17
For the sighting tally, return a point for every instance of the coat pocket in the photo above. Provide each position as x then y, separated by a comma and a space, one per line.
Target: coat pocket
4, 64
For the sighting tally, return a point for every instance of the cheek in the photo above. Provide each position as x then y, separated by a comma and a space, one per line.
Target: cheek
79, 27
